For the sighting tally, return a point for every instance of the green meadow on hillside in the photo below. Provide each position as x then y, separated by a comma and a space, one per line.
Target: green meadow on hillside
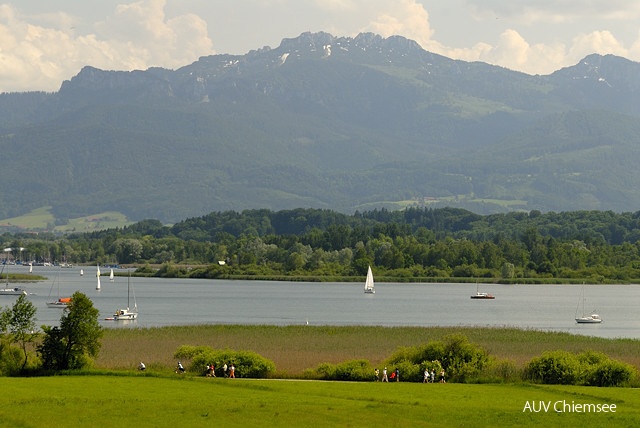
42, 219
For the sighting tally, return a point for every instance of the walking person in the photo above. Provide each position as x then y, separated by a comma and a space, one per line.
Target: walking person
377, 373
442, 377
397, 376
224, 369
384, 375
426, 377
232, 371
180, 368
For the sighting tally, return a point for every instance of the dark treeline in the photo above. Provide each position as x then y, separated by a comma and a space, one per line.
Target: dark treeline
416, 244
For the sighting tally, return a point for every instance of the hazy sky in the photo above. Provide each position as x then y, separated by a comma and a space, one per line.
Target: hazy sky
43, 42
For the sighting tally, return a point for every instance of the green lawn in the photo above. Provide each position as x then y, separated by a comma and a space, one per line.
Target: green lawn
150, 401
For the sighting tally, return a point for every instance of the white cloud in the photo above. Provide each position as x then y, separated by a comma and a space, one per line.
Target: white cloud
602, 42
40, 50
545, 11
141, 36
514, 52
402, 17
137, 36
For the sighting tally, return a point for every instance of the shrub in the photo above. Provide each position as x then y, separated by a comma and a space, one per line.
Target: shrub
355, 370
554, 367
409, 372
247, 363
587, 368
460, 359
10, 360
609, 373
326, 371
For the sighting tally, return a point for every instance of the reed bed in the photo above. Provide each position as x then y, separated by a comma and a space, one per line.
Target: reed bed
295, 349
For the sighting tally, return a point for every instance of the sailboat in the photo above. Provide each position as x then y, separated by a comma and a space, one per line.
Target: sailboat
98, 276
111, 276
81, 272
369, 287
586, 318
60, 302
481, 295
6, 291
127, 314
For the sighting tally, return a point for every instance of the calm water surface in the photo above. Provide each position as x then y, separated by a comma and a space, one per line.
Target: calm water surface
163, 302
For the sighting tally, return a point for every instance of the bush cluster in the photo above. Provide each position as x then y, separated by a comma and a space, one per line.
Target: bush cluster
248, 364
460, 359
355, 370
587, 368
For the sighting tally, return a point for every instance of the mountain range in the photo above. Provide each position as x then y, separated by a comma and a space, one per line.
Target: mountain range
325, 122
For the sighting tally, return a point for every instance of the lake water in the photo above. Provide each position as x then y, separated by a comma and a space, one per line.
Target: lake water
163, 302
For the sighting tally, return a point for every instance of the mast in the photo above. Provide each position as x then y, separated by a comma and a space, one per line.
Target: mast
6, 263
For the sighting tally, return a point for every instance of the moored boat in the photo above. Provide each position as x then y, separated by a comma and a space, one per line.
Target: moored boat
60, 302
586, 318
8, 291
589, 319
127, 314
480, 295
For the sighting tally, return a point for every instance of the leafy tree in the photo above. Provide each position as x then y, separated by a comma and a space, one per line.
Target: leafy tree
20, 323
71, 345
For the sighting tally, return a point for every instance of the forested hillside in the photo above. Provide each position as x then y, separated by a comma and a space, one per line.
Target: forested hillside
341, 123
410, 245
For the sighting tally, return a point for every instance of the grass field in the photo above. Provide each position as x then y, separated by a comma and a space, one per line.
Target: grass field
115, 393
150, 401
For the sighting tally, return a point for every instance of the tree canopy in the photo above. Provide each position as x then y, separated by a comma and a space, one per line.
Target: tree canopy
415, 243
76, 340
19, 322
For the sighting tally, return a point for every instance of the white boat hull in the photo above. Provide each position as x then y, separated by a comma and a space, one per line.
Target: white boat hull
483, 296
12, 291
593, 319
59, 305
125, 315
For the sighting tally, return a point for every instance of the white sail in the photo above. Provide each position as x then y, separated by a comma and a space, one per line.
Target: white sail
98, 276
369, 285
111, 275
81, 272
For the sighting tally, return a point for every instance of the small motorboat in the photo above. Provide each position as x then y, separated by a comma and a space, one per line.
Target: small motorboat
480, 295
